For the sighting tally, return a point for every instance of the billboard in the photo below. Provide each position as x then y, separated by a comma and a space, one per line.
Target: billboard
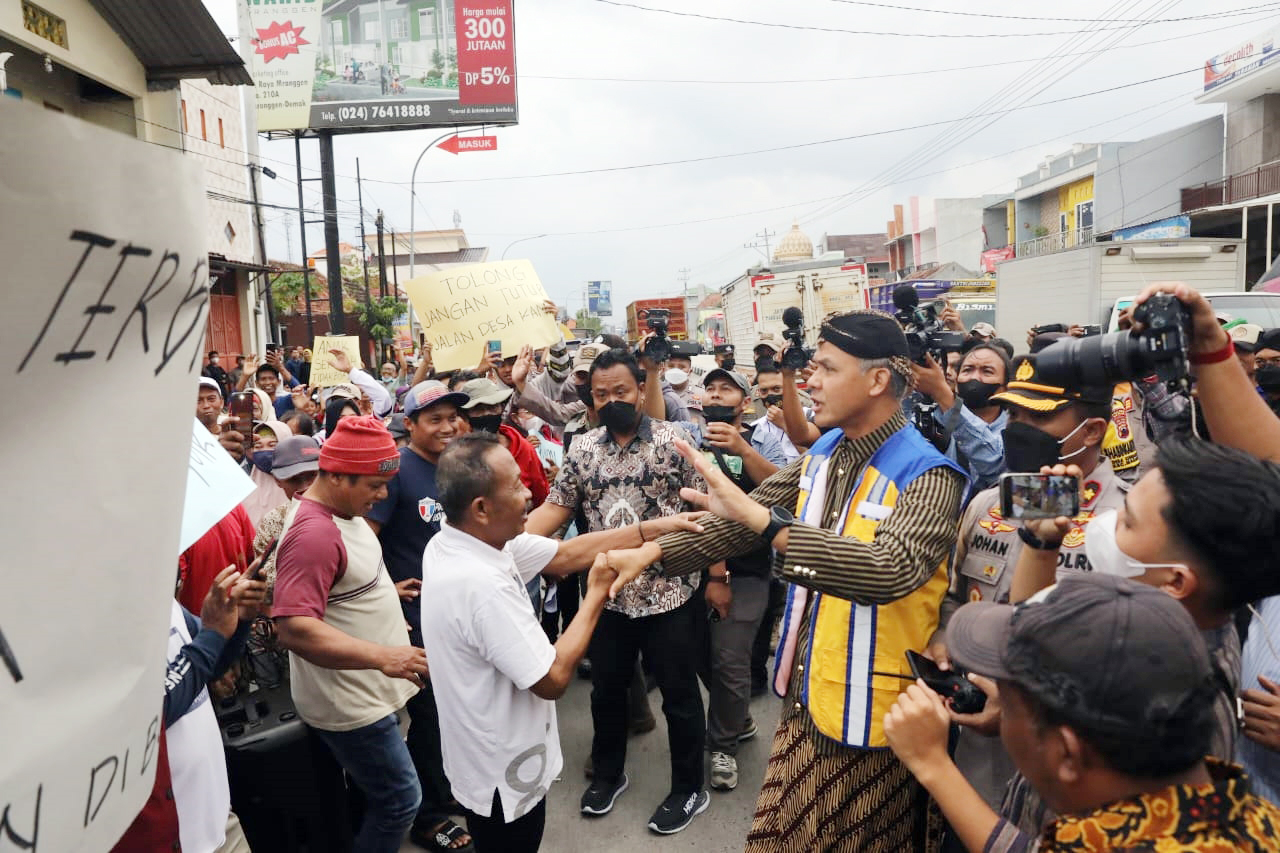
600, 298
352, 65
1241, 60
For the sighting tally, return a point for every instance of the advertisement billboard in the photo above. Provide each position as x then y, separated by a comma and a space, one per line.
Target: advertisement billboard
1239, 61
600, 298
353, 65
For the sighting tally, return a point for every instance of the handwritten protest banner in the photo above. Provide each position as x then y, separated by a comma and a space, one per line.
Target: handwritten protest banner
322, 373
106, 297
215, 484
461, 308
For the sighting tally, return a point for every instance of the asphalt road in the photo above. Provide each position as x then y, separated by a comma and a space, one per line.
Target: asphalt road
722, 827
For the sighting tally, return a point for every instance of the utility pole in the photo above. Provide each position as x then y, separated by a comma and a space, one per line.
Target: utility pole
382, 258
273, 333
337, 322
762, 238
302, 230
364, 250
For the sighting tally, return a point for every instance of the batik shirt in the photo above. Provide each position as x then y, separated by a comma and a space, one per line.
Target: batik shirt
616, 487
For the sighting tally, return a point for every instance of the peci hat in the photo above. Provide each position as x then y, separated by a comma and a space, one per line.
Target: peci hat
361, 446
1104, 652
865, 334
1028, 390
484, 392
586, 355
295, 455
428, 393
732, 375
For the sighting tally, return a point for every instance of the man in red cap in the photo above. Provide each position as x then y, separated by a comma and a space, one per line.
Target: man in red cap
338, 614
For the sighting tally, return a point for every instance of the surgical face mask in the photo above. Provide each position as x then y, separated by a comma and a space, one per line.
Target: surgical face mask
1103, 551
1027, 449
534, 424
1268, 378
975, 393
715, 414
728, 364
676, 377
618, 417
263, 459
772, 399
485, 423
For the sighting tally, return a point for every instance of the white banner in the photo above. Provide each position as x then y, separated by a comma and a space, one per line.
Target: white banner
215, 484
106, 297
285, 41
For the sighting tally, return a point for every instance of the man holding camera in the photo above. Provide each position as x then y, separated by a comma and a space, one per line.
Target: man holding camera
970, 413
877, 509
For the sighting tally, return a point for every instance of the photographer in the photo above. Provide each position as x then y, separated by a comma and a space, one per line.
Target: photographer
1107, 698
973, 419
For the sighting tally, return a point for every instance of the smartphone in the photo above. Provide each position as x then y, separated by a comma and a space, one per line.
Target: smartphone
262, 561
966, 697
1025, 496
241, 408
493, 346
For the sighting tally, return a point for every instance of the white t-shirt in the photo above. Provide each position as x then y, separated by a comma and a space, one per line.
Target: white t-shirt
485, 650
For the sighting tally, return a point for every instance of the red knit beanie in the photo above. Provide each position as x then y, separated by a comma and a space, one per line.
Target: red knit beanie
360, 446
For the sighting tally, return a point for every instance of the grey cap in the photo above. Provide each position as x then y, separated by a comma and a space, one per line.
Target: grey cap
1107, 653
397, 427
484, 392
732, 375
295, 455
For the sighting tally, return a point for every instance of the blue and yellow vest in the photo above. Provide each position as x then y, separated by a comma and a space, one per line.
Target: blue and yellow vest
848, 641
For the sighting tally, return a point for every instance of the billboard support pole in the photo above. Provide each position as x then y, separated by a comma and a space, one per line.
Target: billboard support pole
382, 257
302, 227
337, 324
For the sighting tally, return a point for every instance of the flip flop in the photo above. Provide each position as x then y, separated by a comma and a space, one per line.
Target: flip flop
442, 838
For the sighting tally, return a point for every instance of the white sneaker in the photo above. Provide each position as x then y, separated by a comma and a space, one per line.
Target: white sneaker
724, 771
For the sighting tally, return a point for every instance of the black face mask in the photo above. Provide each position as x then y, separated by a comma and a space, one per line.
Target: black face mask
1268, 378
584, 394
485, 423
728, 364
976, 393
1027, 449
714, 414
772, 400
618, 417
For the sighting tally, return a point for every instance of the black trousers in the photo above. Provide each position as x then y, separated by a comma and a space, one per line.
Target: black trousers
423, 741
493, 834
670, 645
760, 646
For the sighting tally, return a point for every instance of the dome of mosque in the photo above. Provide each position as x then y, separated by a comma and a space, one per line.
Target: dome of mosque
794, 246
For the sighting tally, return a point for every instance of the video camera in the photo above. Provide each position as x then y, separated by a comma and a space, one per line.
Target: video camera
1159, 349
796, 356
658, 347
925, 335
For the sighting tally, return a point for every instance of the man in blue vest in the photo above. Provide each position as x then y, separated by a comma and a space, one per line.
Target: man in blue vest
876, 511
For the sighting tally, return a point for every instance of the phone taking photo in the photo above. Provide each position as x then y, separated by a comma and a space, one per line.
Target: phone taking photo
1030, 496
493, 347
240, 406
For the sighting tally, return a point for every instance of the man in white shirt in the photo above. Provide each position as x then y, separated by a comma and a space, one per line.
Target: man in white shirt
495, 674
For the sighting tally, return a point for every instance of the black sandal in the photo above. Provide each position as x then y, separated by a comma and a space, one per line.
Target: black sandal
442, 838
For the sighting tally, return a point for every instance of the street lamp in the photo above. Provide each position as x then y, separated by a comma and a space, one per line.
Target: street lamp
413, 196
521, 240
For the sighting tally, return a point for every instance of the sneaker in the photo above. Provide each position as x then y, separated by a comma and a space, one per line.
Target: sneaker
724, 771
599, 798
678, 811
749, 732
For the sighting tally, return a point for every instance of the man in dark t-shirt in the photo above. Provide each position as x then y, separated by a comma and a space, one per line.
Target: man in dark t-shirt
405, 522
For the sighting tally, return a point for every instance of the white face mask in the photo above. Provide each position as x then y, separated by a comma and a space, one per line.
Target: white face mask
1105, 556
534, 424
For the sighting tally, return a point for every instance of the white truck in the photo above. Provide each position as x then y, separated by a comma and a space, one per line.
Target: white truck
1082, 285
753, 302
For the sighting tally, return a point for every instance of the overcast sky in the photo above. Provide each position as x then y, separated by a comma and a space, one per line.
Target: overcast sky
623, 225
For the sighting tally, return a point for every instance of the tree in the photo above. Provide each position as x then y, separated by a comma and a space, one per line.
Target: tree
588, 322
286, 292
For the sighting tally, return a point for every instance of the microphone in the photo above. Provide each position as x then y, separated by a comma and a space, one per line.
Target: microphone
905, 298
793, 317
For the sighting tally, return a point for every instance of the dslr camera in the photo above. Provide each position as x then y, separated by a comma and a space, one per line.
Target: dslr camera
796, 356
1160, 349
924, 331
658, 347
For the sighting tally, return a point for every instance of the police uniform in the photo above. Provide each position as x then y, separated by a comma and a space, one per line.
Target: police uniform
987, 555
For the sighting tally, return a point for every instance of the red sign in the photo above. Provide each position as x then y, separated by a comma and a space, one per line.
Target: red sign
486, 53
278, 41
991, 257
454, 144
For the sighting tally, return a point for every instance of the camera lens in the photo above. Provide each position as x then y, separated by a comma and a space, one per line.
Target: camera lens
1093, 361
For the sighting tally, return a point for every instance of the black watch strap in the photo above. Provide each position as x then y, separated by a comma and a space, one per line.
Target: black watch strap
778, 519
1033, 541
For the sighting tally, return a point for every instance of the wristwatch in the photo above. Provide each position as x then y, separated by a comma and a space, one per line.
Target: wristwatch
724, 578
778, 519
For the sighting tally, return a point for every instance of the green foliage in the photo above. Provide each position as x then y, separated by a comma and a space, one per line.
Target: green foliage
586, 321
286, 292
378, 315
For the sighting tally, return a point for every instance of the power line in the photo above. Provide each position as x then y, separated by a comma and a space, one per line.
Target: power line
1242, 11
891, 34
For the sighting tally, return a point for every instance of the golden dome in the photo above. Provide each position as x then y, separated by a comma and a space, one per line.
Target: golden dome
794, 246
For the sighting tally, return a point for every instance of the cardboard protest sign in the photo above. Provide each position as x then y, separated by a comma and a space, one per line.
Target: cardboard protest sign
463, 307
322, 373
215, 484
106, 299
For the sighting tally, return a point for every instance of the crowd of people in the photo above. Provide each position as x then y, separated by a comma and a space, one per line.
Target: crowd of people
438, 554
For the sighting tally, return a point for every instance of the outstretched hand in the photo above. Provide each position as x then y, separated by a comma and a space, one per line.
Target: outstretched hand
723, 497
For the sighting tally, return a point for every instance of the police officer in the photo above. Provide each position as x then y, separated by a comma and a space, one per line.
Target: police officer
1047, 424
724, 356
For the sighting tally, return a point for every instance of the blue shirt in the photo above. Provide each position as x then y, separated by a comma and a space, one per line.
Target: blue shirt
981, 443
410, 515
1260, 658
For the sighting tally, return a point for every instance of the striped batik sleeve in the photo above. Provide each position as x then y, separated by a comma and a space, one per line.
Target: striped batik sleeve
1006, 838
907, 548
